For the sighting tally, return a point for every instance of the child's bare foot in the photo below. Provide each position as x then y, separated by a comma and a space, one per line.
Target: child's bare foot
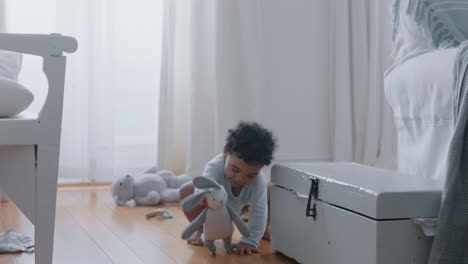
195, 239
266, 235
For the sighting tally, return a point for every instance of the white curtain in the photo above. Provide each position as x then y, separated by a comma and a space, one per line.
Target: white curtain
2, 16
362, 123
211, 72
110, 119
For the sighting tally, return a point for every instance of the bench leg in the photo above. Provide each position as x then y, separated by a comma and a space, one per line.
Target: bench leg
46, 191
3, 197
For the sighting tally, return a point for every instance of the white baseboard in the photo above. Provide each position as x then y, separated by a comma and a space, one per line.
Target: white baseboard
69, 175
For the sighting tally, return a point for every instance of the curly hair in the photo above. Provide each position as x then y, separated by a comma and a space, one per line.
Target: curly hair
251, 142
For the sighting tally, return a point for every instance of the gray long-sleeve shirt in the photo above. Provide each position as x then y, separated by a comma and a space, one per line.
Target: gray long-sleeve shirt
254, 195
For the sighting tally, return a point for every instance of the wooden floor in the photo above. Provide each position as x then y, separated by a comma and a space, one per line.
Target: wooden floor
90, 228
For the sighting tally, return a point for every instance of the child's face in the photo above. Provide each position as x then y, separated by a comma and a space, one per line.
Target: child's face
238, 172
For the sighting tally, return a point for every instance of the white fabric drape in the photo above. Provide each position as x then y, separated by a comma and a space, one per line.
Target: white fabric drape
110, 105
211, 70
2, 29
2, 16
362, 124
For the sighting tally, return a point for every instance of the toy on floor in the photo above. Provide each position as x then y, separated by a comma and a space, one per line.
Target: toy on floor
12, 242
161, 212
216, 218
152, 188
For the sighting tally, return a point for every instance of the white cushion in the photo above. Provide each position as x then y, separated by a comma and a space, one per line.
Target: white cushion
408, 39
420, 92
10, 64
14, 98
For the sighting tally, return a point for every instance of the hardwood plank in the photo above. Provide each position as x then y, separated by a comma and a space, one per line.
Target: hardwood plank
13, 218
91, 228
7, 259
72, 244
143, 248
155, 231
175, 226
111, 244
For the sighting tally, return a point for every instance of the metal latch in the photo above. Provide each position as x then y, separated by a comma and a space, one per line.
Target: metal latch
313, 194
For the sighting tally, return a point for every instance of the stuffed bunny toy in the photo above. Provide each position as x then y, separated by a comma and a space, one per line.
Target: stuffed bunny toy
216, 218
151, 188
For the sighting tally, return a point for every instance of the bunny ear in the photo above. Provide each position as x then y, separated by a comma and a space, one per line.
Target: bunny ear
189, 202
203, 182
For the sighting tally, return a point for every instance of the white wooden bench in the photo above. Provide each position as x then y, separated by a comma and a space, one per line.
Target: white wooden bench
30, 143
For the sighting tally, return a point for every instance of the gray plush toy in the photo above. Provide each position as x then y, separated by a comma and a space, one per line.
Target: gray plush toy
216, 218
152, 188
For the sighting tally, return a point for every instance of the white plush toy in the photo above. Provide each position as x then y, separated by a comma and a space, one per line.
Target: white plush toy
152, 188
216, 218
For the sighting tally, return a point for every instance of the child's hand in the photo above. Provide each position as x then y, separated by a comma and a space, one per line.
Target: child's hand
204, 202
242, 248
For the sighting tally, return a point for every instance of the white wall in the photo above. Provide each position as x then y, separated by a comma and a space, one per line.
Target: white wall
297, 74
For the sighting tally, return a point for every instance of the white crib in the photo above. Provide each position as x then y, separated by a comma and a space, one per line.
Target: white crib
30, 143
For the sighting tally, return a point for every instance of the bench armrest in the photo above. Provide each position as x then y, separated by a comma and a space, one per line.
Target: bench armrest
38, 44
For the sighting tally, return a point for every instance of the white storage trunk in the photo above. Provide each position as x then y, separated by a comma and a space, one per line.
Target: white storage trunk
333, 213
